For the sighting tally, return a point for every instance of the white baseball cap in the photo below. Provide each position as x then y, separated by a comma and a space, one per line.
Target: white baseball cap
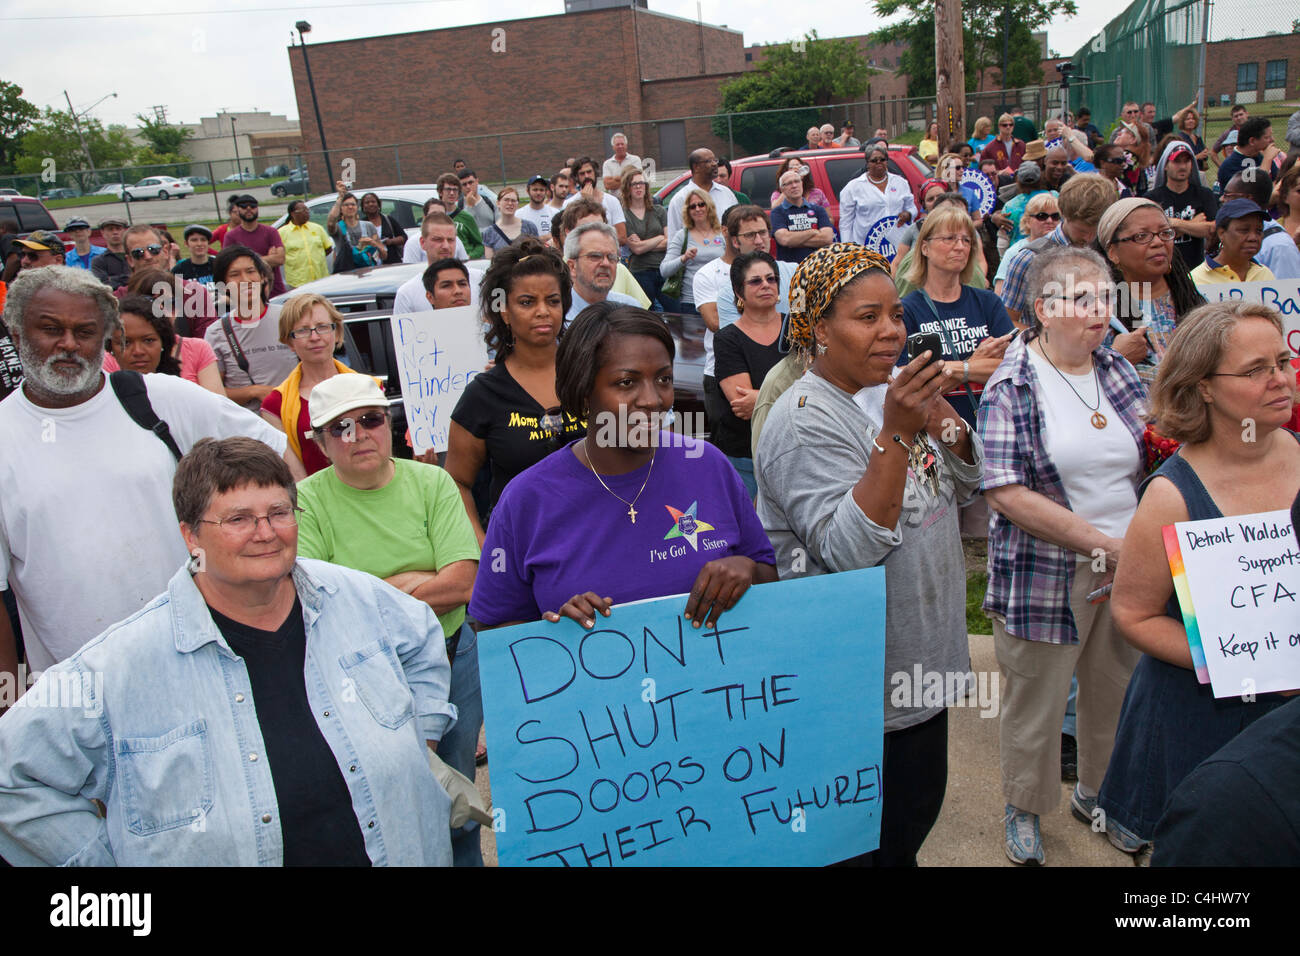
343, 393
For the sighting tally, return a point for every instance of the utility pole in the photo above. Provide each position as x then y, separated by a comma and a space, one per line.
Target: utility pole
949, 71
80, 135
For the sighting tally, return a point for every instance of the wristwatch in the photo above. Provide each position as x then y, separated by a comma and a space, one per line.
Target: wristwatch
965, 372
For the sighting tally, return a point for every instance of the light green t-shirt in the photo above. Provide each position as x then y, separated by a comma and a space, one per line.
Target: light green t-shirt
416, 522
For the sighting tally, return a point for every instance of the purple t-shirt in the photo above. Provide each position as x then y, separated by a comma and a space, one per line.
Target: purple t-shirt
561, 533
261, 240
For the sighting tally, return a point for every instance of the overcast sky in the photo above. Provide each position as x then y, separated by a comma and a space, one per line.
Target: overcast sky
198, 57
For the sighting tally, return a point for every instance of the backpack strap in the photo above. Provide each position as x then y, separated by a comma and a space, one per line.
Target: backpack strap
240, 358
130, 390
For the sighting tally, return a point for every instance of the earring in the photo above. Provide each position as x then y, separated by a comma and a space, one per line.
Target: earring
821, 349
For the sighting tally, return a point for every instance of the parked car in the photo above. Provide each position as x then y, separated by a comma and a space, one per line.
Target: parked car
9, 192
365, 297
755, 176
296, 183
272, 171
197, 180
236, 178
60, 193
158, 187
112, 189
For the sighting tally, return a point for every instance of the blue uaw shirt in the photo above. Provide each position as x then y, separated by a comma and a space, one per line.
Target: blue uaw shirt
962, 325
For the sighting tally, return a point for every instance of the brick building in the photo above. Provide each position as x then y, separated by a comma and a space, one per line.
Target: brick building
467, 88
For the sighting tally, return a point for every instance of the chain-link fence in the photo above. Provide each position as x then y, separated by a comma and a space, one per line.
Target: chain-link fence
515, 157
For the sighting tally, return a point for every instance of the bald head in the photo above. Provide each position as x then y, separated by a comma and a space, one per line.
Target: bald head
703, 165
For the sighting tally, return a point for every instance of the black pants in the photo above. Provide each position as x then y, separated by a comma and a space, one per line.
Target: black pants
913, 781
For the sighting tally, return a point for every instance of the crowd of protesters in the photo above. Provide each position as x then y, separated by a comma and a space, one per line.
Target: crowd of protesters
203, 507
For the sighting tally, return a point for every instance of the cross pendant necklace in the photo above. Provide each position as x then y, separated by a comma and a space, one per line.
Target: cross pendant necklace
631, 505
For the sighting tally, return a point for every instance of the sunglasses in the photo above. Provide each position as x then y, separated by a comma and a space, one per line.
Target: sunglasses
696, 205
245, 205
369, 421
35, 253
757, 281
1046, 216
152, 249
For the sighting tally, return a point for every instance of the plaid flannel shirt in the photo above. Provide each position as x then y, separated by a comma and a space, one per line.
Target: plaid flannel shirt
1013, 287
1029, 578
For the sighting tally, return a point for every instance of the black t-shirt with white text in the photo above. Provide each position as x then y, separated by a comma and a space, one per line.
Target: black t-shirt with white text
1185, 205
498, 410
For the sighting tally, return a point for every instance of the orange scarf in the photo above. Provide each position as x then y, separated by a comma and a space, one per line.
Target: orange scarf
291, 403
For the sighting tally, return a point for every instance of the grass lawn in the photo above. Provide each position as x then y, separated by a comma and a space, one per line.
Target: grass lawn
976, 552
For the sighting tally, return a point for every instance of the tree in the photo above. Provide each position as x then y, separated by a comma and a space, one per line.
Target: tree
163, 138
807, 73
52, 146
984, 22
16, 116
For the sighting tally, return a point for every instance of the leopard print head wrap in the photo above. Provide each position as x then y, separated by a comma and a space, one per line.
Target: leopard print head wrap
818, 280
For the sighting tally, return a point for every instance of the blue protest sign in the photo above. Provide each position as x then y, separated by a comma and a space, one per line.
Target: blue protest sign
646, 742
882, 235
979, 190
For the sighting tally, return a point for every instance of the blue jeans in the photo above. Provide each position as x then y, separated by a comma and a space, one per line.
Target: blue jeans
458, 745
745, 468
652, 284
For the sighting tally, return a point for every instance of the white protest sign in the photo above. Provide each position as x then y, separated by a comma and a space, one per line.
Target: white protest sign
1243, 577
438, 352
1280, 294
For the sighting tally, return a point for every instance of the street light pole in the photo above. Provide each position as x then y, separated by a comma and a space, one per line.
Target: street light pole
235, 139
302, 27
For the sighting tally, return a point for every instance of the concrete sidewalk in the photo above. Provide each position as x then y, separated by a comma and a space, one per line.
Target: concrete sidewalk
970, 828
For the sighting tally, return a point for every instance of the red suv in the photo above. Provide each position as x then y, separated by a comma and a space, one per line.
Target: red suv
755, 176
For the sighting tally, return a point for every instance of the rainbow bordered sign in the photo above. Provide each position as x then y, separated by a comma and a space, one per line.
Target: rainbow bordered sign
880, 237
1052, 143
977, 187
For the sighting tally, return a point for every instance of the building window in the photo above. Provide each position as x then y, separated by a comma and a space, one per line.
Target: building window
1247, 76
1275, 75
749, 58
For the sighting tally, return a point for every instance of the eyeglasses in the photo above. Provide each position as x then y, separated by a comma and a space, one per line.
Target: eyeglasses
153, 249
754, 236
1259, 373
1006, 125
1143, 238
877, 159
951, 240
596, 258
245, 525
639, 182
321, 330
347, 426
1045, 216
757, 281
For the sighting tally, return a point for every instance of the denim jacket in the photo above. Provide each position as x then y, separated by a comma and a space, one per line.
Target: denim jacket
155, 719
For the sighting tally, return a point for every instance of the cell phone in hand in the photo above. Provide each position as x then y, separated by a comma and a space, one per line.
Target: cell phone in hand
919, 342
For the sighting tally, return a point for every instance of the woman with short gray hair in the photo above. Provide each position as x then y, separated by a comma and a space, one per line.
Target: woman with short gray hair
262, 711
1062, 423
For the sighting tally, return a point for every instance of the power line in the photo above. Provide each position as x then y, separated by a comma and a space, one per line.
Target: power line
203, 13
